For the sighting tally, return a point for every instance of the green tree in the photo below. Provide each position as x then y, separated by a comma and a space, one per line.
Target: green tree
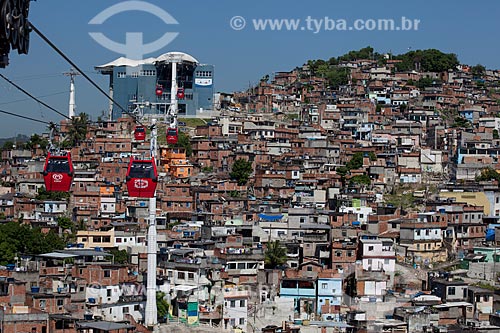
43, 194
36, 141
120, 256
17, 239
360, 179
478, 71
275, 255
488, 174
356, 161
461, 122
241, 171
8, 145
372, 156
162, 306
430, 60
65, 223
77, 131
185, 143
426, 82
495, 134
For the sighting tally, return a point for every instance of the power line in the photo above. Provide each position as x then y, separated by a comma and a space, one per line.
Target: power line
27, 99
33, 97
61, 53
24, 117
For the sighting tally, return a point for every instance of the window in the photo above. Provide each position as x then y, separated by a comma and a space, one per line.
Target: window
181, 275
309, 268
125, 309
136, 307
451, 291
242, 303
60, 302
370, 248
107, 273
486, 298
242, 321
42, 304
108, 292
324, 285
191, 276
233, 304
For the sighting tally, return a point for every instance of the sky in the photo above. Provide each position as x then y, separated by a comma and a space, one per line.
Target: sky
241, 57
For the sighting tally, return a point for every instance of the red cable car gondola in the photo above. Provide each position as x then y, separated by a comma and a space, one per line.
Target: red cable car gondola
159, 90
172, 135
142, 178
58, 173
140, 133
180, 93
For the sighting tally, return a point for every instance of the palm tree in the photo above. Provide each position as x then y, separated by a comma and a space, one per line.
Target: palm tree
77, 130
275, 254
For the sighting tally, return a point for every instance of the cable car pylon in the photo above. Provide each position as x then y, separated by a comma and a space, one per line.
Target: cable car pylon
151, 309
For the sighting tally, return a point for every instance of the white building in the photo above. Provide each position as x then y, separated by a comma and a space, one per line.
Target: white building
236, 307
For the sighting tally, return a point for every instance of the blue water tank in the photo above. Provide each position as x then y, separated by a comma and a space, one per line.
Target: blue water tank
10, 267
92, 300
80, 245
35, 290
98, 249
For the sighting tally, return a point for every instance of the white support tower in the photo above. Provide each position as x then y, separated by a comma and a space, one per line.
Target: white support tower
72, 106
172, 110
151, 310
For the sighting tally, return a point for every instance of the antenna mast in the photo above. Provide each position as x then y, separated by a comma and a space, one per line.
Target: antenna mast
72, 73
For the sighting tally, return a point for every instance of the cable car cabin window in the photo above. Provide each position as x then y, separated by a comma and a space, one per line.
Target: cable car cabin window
172, 132
56, 165
141, 170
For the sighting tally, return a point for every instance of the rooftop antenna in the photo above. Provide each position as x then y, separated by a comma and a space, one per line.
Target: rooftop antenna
72, 73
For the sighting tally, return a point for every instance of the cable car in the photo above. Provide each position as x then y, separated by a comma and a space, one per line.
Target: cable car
58, 172
172, 135
140, 133
180, 93
159, 90
142, 178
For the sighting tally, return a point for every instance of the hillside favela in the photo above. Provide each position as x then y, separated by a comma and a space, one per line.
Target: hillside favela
358, 193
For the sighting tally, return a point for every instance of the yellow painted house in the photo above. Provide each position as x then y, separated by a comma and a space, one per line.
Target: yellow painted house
175, 162
471, 198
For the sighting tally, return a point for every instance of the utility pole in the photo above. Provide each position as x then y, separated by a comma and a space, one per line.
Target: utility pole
151, 310
71, 74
